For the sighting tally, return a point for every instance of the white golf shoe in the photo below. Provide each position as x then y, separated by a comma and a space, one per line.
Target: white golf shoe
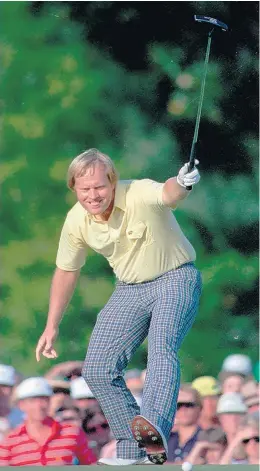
122, 461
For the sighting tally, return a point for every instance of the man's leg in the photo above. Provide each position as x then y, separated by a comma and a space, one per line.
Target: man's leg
177, 300
121, 327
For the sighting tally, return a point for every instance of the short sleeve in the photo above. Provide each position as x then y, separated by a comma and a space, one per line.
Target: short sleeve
71, 255
150, 192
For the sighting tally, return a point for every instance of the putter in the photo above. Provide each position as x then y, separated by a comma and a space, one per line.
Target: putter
213, 22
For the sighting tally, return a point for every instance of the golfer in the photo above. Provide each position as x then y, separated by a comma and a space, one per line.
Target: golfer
157, 295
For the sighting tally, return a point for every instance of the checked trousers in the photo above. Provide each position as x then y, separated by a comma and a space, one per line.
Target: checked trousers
163, 309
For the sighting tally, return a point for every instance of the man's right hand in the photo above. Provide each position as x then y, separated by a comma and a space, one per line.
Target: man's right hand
45, 343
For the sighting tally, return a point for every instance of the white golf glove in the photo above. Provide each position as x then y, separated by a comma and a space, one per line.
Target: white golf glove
186, 178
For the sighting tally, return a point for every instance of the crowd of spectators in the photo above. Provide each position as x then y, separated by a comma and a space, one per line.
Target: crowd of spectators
56, 420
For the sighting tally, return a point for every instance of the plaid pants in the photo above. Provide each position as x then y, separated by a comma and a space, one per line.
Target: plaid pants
163, 309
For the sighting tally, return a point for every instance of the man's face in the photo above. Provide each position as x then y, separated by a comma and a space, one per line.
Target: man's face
97, 429
209, 406
232, 384
89, 403
57, 400
213, 456
35, 408
187, 410
70, 414
94, 190
230, 423
251, 442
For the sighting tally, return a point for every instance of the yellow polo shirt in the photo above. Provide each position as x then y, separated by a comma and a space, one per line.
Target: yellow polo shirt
141, 240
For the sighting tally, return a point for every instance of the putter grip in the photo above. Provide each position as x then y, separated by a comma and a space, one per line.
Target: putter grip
191, 163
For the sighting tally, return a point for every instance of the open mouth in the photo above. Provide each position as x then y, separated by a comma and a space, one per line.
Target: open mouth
94, 204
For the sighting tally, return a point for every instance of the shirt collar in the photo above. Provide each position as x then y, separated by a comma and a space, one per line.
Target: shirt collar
21, 429
193, 437
55, 427
120, 196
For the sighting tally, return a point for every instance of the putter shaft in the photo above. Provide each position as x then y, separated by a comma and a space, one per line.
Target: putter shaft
202, 90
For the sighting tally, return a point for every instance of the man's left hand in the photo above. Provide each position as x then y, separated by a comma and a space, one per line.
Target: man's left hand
186, 178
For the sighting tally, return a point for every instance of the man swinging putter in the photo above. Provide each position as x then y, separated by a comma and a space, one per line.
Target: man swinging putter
156, 295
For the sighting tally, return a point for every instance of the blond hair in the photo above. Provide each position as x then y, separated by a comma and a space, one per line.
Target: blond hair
87, 159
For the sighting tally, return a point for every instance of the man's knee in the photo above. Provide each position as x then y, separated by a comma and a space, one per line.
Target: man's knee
95, 373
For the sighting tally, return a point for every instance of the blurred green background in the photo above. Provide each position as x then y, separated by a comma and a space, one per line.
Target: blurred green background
125, 77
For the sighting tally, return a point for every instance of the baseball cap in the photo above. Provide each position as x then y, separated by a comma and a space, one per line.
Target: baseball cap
33, 387
79, 389
237, 363
7, 375
231, 403
206, 386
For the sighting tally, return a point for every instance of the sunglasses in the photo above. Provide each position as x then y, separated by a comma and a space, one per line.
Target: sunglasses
247, 440
187, 405
95, 429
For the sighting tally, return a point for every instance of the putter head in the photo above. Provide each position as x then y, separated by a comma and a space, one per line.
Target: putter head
211, 21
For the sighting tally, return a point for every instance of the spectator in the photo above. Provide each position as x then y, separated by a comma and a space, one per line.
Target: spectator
231, 382
40, 440
246, 437
209, 448
9, 417
231, 410
209, 390
68, 412
250, 393
83, 398
97, 430
134, 383
187, 416
61, 390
